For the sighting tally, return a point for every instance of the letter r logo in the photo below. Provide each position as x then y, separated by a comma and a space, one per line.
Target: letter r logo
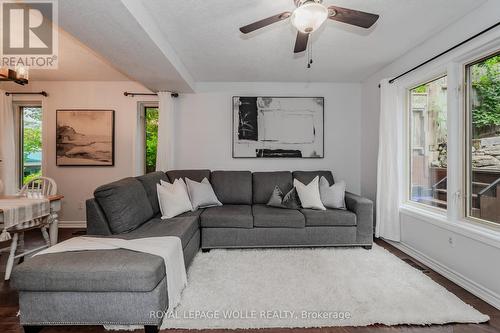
27, 27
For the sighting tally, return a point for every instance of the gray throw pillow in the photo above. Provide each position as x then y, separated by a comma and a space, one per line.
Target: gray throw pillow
202, 194
332, 196
288, 201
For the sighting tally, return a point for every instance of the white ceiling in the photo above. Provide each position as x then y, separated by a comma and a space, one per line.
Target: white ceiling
77, 62
123, 35
206, 38
171, 45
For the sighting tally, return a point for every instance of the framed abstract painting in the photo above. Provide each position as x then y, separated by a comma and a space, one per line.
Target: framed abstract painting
278, 127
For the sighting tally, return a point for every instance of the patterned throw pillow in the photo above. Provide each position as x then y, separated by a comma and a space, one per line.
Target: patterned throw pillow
288, 201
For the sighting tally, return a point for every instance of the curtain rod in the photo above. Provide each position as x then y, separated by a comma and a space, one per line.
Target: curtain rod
444, 52
43, 93
132, 94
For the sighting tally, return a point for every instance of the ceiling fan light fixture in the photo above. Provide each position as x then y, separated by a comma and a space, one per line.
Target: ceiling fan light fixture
309, 17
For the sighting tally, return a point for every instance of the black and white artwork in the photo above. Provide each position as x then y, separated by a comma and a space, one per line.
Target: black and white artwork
85, 137
278, 127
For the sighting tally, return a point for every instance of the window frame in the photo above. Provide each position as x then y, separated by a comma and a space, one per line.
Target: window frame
18, 107
466, 210
453, 65
408, 144
144, 109
140, 148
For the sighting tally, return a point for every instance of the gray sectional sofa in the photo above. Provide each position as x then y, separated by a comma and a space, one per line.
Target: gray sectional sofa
124, 287
244, 220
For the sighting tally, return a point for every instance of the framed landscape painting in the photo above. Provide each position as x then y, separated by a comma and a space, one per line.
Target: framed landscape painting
85, 137
278, 127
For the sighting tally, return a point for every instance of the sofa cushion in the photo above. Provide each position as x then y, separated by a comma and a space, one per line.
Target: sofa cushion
196, 213
329, 217
149, 182
227, 216
183, 227
233, 187
125, 204
264, 183
100, 270
272, 217
305, 177
196, 175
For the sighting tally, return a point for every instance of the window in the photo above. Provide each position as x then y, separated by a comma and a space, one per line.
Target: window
428, 143
483, 139
30, 142
150, 137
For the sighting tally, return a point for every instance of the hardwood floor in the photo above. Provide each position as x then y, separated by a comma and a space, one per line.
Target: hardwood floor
9, 323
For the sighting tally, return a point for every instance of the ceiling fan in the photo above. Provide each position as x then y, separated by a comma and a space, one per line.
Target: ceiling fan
310, 15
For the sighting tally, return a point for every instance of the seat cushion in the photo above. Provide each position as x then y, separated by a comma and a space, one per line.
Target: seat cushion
305, 177
264, 183
233, 187
149, 182
196, 213
196, 175
100, 270
183, 227
227, 216
272, 217
329, 217
125, 204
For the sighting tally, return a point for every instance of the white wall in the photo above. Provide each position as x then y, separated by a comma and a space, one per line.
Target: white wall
465, 256
204, 127
463, 252
203, 132
78, 183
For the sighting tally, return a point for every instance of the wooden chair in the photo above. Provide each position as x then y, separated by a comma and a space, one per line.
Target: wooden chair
43, 186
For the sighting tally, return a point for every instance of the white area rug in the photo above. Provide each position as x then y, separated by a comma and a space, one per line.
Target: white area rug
311, 288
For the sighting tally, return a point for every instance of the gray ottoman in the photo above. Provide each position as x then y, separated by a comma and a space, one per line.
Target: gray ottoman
105, 287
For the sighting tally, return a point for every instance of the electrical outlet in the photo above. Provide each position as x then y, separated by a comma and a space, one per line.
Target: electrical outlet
80, 205
451, 241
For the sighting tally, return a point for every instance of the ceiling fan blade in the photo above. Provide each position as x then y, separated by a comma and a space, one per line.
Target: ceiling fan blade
265, 22
301, 42
351, 16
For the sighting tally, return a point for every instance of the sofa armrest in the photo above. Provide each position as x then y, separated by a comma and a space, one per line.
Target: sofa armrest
363, 208
97, 224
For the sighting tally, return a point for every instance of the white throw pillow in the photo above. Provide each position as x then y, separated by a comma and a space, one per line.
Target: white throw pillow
332, 196
309, 194
202, 194
173, 199
164, 183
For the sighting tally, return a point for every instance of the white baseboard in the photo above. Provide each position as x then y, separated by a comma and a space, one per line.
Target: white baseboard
478, 290
72, 224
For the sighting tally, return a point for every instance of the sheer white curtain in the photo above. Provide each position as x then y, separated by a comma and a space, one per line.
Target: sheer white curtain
390, 163
165, 148
7, 145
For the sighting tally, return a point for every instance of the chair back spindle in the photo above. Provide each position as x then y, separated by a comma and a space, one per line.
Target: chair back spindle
44, 185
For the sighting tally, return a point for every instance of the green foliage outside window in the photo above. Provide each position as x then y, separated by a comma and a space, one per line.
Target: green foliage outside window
485, 77
32, 143
151, 116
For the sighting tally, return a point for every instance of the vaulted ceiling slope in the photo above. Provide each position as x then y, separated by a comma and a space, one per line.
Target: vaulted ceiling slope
77, 62
124, 33
174, 44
